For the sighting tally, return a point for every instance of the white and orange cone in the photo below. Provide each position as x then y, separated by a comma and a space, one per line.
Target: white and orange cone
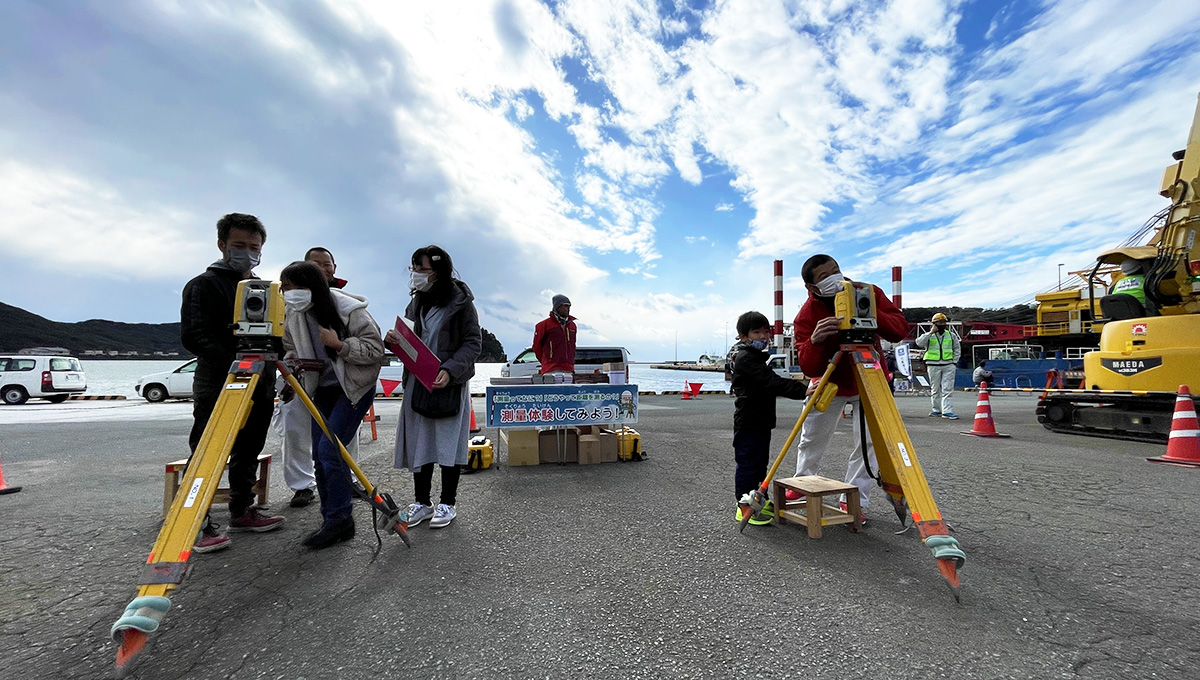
1183, 446
984, 425
4, 487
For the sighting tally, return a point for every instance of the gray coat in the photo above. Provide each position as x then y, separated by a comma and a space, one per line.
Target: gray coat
459, 342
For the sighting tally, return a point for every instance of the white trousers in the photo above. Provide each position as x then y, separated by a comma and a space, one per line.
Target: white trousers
941, 387
817, 434
295, 427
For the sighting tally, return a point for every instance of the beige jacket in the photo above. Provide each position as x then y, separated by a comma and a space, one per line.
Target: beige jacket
358, 362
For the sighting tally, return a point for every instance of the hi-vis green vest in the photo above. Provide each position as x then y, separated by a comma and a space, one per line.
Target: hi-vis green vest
940, 350
1132, 285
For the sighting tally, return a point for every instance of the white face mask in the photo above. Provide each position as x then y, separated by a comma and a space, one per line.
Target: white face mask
297, 299
830, 285
419, 281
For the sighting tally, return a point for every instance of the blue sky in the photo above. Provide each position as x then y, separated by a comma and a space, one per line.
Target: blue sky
647, 159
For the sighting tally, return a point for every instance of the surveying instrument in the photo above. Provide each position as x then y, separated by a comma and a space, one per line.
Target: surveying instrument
899, 472
258, 327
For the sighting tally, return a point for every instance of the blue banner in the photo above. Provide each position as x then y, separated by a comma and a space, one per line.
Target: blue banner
518, 406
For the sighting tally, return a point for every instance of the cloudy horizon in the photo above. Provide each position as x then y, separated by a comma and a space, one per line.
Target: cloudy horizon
647, 159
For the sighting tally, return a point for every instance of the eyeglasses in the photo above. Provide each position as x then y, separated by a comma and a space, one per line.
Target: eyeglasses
421, 270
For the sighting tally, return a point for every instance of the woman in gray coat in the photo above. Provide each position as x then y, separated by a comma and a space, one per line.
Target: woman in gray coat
442, 313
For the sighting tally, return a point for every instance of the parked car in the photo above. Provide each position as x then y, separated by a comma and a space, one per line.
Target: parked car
587, 360
173, 384
53, 378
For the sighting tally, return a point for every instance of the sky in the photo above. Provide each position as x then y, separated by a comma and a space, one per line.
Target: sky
647, 159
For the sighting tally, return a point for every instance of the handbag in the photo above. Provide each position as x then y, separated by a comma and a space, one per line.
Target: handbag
442, 403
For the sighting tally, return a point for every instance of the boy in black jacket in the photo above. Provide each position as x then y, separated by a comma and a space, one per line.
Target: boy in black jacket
756, 386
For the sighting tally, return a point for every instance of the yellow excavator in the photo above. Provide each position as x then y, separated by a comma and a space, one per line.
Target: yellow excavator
1147, 349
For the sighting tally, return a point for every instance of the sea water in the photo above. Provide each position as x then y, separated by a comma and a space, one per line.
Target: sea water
118, 377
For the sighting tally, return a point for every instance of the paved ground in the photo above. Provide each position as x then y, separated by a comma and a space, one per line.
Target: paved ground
1082, 563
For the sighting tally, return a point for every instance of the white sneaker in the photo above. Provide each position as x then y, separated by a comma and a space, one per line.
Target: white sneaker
418, 513
442, 516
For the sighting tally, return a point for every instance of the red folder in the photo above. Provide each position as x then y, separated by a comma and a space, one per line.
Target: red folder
417, 358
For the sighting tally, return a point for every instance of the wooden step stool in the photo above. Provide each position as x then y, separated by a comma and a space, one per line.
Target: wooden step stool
174, 476
810, 510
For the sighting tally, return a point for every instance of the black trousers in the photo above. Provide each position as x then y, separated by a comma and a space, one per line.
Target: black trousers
243, 458
423, 484
751, 452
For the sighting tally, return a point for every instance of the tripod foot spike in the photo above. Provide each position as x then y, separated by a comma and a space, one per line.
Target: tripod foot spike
133, 643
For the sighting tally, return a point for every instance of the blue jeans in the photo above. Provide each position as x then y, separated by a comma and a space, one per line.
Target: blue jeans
752, 453
333, 475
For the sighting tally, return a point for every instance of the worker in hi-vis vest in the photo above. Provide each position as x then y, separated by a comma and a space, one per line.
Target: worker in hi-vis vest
942, 350
1133, 282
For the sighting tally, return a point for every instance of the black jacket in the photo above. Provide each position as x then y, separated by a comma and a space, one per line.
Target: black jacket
459, 340
205, 326
756, 386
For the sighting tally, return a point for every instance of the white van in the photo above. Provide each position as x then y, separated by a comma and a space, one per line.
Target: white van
587, 360
53, 378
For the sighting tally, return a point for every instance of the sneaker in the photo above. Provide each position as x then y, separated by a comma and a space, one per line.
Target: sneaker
949, 416
862, 516
443, 515
935, 414
211, 539
418, 513
757, 520
302, 498
792, 496
253, 520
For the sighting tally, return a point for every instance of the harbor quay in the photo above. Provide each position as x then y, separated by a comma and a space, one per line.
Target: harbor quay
1082, 561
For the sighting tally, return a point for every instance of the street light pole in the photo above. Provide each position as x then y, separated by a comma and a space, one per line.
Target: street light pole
1060, 276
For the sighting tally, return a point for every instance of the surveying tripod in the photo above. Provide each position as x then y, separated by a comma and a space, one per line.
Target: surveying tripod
258, 325
900, 473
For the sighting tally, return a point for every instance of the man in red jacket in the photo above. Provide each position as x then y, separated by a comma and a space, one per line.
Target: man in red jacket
554, 338
816, 337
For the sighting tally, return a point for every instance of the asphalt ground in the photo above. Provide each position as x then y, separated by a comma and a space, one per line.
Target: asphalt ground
1082, 562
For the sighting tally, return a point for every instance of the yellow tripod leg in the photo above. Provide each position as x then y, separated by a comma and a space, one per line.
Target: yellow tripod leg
167, 564
899, 470
392, 520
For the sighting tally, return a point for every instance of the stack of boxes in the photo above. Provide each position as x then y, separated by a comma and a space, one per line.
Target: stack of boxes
585, 445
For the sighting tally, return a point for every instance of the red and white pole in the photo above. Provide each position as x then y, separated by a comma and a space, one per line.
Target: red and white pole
896, 286
779, 304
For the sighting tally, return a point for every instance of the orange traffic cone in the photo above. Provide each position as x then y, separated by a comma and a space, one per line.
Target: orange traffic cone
687, 390
474, 427
984, 425
1183, 447
4, 487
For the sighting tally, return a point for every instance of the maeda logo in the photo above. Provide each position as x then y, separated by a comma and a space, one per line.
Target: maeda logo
1131, 366
1139, 329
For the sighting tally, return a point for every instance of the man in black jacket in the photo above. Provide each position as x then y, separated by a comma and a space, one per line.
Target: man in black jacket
756, 386
206, 318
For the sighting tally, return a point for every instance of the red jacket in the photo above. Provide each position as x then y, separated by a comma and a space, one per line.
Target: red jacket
554, 344
815, 358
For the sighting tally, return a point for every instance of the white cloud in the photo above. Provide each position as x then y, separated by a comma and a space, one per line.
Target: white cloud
724, 207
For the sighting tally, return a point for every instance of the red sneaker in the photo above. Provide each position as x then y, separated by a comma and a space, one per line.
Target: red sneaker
211, 539
253, 520
862, 516
791, 495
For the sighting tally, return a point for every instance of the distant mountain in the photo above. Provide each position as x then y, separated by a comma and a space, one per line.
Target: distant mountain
20, 329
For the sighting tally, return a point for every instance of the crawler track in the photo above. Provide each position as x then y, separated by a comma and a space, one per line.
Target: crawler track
1140, 417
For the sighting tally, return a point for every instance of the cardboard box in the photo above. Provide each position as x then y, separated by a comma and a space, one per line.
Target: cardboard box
522, 446
589, 449
548, 445
608, 447
613, 367
587, 429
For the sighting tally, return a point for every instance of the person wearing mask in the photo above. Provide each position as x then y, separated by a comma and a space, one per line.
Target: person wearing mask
816, 337
205, 317
942, 350
435, 425
554, 338
333, 327
295, 423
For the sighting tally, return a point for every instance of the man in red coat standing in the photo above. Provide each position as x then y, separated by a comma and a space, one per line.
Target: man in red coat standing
554, 338
816, 337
